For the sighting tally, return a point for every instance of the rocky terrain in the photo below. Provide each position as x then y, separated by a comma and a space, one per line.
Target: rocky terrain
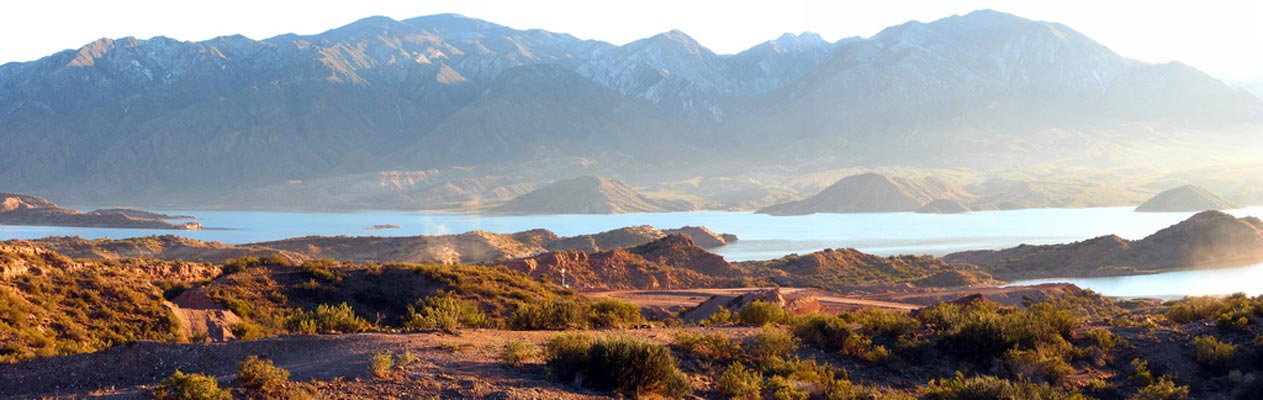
1183, 199
23, 209
588, 195
1207, 239
672, 262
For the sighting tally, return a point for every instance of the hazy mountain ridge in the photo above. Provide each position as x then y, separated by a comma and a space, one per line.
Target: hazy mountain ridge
155, 120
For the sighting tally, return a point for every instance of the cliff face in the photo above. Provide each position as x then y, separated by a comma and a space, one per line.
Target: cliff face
1208, 239
1185, 198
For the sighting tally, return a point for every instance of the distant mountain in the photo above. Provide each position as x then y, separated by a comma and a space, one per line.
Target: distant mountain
872, 193
1185, 198
446, 111
588, 195
1205, 240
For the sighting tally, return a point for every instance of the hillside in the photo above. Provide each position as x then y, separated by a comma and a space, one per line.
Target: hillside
673, 262
445, 111
588, 195
1208, 239
22, 209
836, 269
1185, 198
873, 193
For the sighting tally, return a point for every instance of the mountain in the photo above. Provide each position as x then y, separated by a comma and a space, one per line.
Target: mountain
1206, 240
872, 193
943, 206
1185, 198
445, 111
588, 195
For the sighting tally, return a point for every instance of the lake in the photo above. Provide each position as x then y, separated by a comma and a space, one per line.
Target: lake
762, 236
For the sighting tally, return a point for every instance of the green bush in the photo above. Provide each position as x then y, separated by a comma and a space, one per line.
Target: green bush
1045, 364
557, 314
719, 318
182, 386
327, 319
517, 352
834, 334
623, 365
616, 314
888, 323
381, 363
262, 378
444, 312
782, 389
740, 383
771, 342
759, 313
1213, 354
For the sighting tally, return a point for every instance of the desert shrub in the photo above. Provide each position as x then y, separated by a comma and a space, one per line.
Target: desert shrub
716, 346
321, 270
721, 317
1044, 364
381, 363
740, 383
615, 313
1163, 389
1213, 354
550, 314
771, 342
623, 365
182, 386
1101, 346
834, 334
992, 388
781, 388
759, 313
517, 352
888, 323
444, 312
1227, 309
327, 319
1140, 374
263, 377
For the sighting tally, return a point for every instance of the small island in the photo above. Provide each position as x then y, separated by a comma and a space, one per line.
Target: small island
382, 227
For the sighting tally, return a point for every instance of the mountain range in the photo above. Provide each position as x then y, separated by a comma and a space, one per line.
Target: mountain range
446, 111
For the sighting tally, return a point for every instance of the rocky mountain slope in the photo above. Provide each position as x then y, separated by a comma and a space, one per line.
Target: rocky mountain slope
235, 121
22, 209
588, 195
1185, 198
1208, 239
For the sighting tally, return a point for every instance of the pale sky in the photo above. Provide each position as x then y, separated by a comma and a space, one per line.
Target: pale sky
1222, 37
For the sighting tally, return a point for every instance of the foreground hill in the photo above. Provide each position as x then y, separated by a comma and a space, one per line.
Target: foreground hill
1185, 198
24, 209
443, 110
873, 193
1208, 239
837, 268
588, 195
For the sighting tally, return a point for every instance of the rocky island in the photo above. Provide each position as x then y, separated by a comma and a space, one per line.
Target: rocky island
24, 209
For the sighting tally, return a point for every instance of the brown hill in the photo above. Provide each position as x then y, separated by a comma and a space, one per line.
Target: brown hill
872, 193
23, 209
943, 206
165, 247
1208, 239
1185, 198
837, 268
673, 262
588, 195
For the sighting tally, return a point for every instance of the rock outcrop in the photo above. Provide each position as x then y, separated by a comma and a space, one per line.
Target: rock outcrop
1185, 198
872, 193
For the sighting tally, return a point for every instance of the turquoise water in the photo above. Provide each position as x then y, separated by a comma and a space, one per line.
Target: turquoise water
762, 236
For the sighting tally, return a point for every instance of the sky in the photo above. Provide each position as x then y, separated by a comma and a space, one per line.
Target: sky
1223, 37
